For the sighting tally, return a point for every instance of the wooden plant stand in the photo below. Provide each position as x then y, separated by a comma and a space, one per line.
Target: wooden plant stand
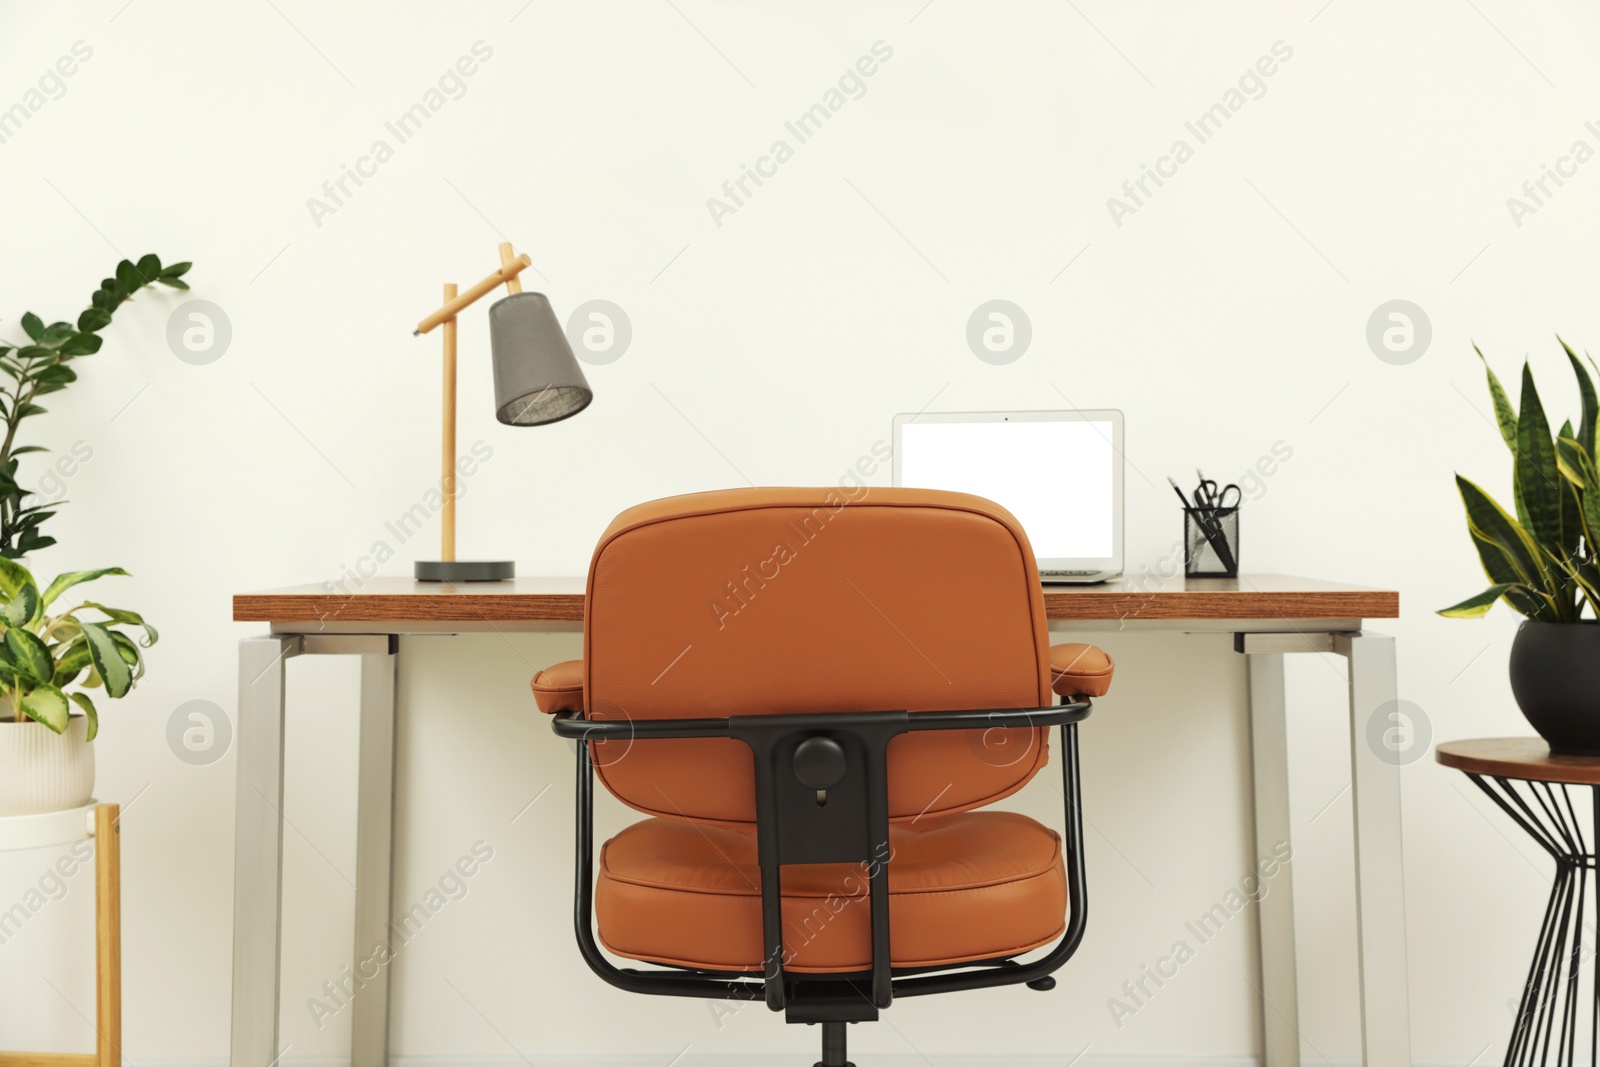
97, 821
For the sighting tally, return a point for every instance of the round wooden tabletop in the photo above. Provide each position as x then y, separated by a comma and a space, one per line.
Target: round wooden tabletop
1527, 758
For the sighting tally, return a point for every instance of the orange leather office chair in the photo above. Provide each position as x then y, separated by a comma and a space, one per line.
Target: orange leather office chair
810, 697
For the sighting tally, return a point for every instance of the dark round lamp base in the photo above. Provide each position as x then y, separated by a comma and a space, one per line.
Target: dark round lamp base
464, 570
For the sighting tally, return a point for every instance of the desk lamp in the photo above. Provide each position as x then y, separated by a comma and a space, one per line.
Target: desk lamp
537, 380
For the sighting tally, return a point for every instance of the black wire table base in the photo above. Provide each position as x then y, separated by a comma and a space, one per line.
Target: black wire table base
1558, 1019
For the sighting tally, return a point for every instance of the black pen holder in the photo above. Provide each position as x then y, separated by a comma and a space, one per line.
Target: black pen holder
1211, 543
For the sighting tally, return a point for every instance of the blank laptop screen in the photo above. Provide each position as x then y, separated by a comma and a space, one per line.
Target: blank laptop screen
1055, 477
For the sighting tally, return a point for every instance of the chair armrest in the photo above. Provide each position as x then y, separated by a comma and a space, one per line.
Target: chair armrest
1076, 670
1080, 671
570, 724
559, 688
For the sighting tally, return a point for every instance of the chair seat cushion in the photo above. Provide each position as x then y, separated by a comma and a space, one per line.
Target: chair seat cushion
972, 886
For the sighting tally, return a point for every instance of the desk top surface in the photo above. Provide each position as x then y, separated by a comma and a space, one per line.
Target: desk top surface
1252, 596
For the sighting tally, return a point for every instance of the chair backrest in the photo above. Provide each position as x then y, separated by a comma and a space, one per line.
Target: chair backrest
783, 601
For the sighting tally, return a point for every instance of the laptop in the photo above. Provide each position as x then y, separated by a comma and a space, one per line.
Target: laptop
1058, 472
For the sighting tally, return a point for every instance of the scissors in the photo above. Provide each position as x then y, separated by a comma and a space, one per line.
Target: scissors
1208, 496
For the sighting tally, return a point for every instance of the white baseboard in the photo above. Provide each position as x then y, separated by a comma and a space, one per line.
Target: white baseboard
1088, 1059
894, 1059
869, 1059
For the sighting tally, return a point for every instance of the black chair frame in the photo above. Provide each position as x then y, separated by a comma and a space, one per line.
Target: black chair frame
821, 784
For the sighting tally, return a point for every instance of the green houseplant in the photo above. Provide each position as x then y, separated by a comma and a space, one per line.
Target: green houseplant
48, 658
40, 366
1544, 562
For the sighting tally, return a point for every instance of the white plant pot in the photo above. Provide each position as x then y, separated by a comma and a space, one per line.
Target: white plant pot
44, 771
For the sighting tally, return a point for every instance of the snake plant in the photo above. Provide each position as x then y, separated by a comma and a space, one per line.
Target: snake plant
42, 654
1545, 562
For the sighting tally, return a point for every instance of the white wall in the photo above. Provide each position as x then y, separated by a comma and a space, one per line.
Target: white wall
1226, 315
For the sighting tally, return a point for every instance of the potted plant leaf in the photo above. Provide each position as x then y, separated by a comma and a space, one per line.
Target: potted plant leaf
47, 661
1544, 561
40, 366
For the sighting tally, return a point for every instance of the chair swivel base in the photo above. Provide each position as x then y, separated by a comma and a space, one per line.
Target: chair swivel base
833, 1046
464, 570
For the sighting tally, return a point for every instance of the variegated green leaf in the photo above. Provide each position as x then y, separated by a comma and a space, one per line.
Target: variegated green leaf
1572, 460
1591, 506
1586, 391
89, 712
1529, 601
14, 576
1489, 520
30, 658
46, 704
1505, 415
71, 659
129, 653
108, 661
1571, 506
66, 581
127, 618
1477, 607
18, 611
1538, 480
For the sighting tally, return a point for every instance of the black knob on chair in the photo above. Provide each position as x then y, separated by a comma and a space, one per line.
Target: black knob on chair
819, 763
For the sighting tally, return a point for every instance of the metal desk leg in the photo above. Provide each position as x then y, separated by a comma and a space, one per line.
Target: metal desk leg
369, 1038
1269, 752
258, 849
1380, 871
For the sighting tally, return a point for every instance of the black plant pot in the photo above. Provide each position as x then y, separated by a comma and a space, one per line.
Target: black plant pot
1555, 675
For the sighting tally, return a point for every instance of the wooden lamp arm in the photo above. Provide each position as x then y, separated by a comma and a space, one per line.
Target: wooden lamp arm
506, 275
507, 259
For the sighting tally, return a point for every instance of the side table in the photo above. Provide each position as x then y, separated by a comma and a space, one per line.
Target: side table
97, 821
1556, 801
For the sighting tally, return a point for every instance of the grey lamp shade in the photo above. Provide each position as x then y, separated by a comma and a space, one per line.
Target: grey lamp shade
536, 377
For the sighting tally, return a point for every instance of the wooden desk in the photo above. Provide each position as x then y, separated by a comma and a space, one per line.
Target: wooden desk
1269, 615
401, 605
